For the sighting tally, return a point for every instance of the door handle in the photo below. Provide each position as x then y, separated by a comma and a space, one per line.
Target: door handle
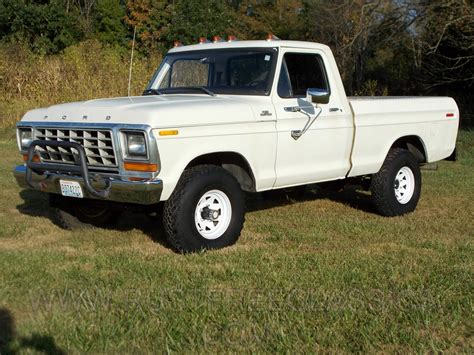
292, 109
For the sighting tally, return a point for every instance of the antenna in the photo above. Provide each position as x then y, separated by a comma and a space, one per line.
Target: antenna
131, 62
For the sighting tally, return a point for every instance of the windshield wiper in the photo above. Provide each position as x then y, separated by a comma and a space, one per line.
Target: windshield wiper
206, 90
151, 92
177, 90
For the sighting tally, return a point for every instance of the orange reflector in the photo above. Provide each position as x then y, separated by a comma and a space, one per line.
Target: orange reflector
169, 132
36, 159
140, 166
271, 37
136, 179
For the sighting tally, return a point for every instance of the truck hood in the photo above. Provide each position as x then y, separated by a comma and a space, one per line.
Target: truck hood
156, 110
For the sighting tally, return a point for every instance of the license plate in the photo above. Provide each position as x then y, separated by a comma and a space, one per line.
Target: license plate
71, 189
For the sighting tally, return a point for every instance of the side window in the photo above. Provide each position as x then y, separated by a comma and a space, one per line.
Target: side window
301, 71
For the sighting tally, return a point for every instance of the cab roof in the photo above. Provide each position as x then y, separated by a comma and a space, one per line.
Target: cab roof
274, 43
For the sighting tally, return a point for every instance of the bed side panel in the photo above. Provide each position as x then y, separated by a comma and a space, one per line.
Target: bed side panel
381, 121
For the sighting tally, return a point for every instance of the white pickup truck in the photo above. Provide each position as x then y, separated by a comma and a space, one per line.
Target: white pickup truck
221, 118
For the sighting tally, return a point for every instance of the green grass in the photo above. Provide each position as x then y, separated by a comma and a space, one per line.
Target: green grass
311, 275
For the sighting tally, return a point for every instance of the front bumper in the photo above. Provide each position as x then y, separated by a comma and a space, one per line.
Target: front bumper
139, 192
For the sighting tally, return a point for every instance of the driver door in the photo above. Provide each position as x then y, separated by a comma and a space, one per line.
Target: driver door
323, 151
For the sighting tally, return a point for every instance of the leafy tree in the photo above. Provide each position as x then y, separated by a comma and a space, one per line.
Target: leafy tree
446, 42
407, 46
283, 18
445, 51
108, 24
45, 26
370, 39
161, 22
193, 19
152, 20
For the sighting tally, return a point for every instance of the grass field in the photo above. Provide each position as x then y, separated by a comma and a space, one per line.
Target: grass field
320, 274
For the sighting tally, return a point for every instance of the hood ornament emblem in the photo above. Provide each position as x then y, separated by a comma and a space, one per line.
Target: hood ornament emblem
84, 117
108, 118
64, 117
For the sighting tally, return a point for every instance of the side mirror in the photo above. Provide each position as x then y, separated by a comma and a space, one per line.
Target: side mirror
317, 96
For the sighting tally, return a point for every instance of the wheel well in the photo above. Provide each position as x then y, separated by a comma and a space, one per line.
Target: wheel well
414, 145
234, 163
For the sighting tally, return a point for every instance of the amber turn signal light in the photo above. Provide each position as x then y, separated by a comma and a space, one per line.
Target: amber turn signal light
169, 132
146, 167
36, 159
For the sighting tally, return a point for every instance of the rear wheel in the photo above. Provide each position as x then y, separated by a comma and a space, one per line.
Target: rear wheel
206, 210
396, 187
70, 213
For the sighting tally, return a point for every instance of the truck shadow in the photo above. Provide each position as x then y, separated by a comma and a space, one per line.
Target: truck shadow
152, 226
349, 196
35, 204
12, 343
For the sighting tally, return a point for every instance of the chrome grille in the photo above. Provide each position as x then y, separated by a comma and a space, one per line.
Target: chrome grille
97, 143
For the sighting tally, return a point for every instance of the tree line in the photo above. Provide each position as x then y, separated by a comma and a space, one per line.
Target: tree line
394, 47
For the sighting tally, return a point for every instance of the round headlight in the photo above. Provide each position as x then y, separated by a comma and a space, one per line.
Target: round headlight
26, 137
136, 144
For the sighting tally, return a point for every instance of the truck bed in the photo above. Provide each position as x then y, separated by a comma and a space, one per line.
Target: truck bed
381, 120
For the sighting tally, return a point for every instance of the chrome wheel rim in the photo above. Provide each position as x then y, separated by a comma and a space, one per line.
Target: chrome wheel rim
213, 214
404, 185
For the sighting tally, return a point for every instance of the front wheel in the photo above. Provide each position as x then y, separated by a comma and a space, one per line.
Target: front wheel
396, 187
206, 210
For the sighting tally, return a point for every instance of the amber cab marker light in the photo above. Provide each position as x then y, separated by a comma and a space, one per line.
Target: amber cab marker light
35, 158
177, 44
169, 132
146, 167
231, 38
203, 40
271, 37
216, 39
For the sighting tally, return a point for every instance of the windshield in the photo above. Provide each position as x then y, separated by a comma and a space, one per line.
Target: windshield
236, 72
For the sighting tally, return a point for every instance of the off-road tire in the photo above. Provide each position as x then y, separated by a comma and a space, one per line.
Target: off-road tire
382, 184
71, 214
179, 211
